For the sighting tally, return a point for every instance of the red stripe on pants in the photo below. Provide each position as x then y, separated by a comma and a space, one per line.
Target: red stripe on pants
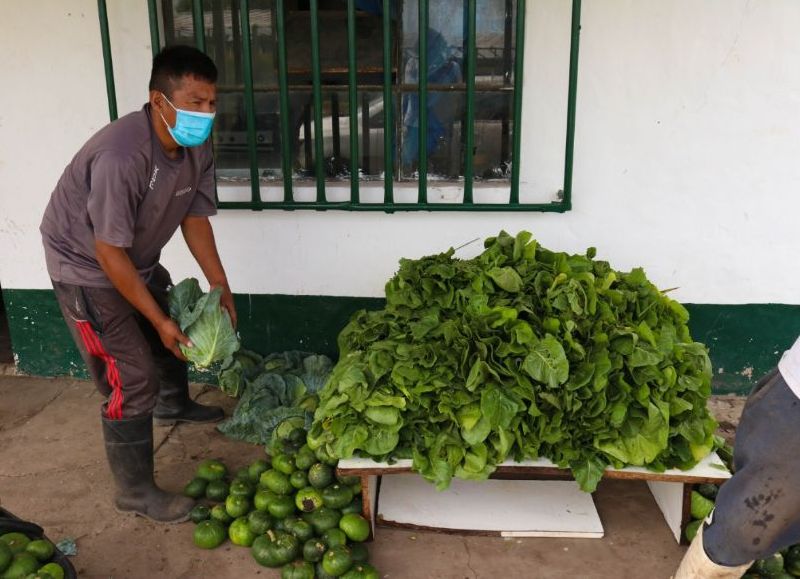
95, 348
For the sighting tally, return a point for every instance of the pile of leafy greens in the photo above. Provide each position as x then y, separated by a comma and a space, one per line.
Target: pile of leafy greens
271, 390
519, 353
207, 324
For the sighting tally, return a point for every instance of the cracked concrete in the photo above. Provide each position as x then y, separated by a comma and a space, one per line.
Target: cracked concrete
53, 472
469, 560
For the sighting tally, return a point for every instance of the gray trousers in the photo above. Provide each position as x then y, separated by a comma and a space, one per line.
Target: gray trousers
758, 510
122, 351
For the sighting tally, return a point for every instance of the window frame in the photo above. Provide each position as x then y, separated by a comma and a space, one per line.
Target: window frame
388, 205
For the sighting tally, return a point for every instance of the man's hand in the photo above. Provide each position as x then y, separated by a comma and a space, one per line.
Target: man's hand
226, 301
171, 336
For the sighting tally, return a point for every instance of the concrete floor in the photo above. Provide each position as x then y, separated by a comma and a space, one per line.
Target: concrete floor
53, 472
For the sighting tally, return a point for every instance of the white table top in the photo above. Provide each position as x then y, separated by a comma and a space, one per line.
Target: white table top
711, 467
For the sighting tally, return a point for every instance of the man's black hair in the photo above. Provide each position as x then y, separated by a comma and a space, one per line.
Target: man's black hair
174, 62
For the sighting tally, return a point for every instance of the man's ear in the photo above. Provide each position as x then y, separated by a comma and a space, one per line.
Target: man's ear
157, 101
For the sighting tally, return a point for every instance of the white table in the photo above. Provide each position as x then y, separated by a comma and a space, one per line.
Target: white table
533, 498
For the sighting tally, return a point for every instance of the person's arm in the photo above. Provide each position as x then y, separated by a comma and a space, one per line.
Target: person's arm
199, 237
123, 275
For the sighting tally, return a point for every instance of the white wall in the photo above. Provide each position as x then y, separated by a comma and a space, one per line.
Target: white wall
53, 99
687, 141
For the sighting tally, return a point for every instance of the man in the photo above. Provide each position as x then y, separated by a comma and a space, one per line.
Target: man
757, 511
115, 207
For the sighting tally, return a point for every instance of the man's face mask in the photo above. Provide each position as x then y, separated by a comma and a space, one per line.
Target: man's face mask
191, 128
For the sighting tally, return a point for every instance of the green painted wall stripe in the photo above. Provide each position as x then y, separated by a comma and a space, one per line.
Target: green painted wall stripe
267, 323
745, 341
39, 336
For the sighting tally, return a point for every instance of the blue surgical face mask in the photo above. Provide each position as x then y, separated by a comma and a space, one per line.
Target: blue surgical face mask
191, 128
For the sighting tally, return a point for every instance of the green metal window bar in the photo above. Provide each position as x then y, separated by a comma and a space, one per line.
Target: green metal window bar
388, 88
111, 91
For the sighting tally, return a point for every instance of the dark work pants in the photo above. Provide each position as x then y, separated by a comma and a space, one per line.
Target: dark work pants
758, 510
121, 349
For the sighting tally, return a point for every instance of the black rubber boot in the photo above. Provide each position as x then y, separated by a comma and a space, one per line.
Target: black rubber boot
174, 405
129, 447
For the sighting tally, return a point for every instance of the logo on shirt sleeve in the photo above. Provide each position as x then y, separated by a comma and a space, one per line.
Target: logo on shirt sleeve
153, 177
183, 191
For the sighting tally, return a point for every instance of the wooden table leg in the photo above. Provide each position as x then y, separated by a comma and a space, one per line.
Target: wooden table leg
369, 500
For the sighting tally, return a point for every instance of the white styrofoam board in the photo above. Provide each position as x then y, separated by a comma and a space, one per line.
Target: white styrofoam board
508, 508
710, 467
669, 498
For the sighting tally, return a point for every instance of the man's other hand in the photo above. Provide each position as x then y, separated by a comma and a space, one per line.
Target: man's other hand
226, 301
171, 336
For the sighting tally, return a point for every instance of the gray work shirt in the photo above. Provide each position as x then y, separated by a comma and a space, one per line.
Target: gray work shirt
122, 189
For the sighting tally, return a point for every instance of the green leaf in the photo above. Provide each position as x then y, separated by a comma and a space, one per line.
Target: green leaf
182, 299
421, 328
644, 356
618, 412
507, 278
211, 332
502, 441
643, 442
350, 440
587, 472
477, 433
524, 246
380, 363
316, 369
379, 398
351, 378
386, 415
679, 405
474, 465
380, 442
645, 333
469, 415
479, 375
547, 363
497, 407
231, 378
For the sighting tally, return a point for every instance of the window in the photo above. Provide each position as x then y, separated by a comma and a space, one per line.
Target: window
321, 103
